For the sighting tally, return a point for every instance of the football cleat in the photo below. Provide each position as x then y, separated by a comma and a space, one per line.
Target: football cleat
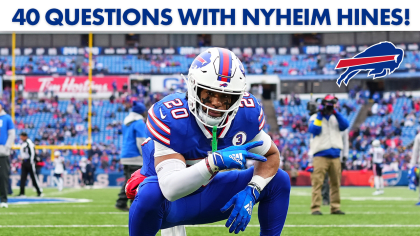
377, 192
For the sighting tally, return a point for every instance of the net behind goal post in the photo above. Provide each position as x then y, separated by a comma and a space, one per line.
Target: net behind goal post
13, 106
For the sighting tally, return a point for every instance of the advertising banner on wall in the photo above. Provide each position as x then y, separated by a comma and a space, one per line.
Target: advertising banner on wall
162, 83
65, 85
75, 180
349, 178
358, 178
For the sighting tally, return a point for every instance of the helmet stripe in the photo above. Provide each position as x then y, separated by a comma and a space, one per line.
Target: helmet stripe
225, 64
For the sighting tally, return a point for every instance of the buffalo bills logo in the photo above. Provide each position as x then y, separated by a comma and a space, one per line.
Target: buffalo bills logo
380, 60
201, 60
391, 178
120, 181
224, 85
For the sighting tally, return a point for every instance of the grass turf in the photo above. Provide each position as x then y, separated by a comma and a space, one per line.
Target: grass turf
393, 213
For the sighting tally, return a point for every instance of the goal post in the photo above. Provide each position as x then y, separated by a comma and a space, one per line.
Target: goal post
13, 108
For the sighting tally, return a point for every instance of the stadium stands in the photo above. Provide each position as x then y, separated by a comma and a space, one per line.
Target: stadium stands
302, 64
392, 121
54, 122
64, 122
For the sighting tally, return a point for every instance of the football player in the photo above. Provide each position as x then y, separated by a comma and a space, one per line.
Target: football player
59, 169
378, 162
187, 179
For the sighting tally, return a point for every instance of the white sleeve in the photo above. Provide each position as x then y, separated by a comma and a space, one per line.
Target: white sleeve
177, 181
11, 134
313, 117
162, 150
345, 150
415, 154
139, 142
263, 149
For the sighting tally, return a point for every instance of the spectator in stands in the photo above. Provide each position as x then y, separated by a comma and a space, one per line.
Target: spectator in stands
282, 102
264, 69
374, 109
131, 155
70, 109
114, 86
95, 129
104, 161
280, 121
376, 97
7, 138
397, 130
297, 100
325, 147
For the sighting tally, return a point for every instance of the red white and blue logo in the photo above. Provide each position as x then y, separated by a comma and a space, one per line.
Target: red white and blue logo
225, 65
380, 60
201, 60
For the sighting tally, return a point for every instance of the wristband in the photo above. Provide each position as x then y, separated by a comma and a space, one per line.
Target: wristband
208, 166
256, 191
260, 182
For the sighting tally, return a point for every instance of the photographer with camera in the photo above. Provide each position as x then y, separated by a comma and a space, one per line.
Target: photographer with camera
326, 144
312, 107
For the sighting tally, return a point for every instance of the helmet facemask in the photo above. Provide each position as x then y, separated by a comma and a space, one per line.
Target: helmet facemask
196, 104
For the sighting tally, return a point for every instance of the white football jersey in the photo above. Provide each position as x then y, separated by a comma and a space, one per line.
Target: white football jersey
59, 165
82, 165
377, 155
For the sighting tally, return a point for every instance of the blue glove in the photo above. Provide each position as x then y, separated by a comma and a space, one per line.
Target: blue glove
233, 157
243, 202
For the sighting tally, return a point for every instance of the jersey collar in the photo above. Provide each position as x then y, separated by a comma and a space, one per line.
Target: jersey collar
207, 131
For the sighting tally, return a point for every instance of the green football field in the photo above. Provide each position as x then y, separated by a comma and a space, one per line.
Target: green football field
393, 213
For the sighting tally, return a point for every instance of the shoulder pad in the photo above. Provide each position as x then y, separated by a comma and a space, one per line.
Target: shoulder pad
251, 109
167, 117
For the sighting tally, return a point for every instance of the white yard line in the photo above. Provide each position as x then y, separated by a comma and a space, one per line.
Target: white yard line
364, 206
379, 199
64, 205
63, 192
63, 213
126, 213
213, 226
364, 213
68, 200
